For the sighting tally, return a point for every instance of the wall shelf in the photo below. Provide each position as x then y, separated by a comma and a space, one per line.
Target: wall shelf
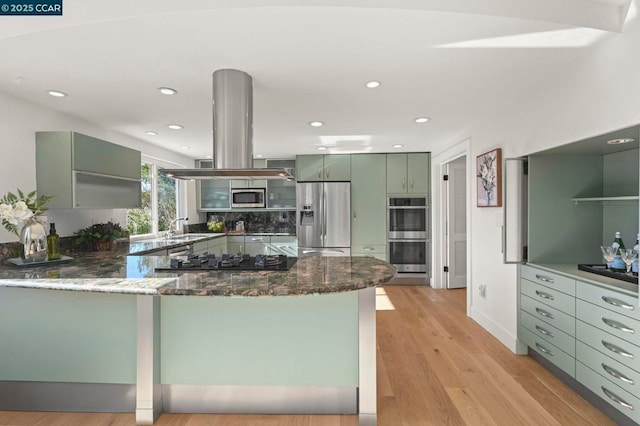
577, 200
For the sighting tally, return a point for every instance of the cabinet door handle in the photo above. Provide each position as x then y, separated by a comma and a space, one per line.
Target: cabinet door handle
319, 172
543, 349
617, 350
543, 331
327, 172
368, 248
355, 216
257, 239
545, 278
411, 183
403, 182
618, 303
618, 325
615, 398
615, 373
544, 313
545, 295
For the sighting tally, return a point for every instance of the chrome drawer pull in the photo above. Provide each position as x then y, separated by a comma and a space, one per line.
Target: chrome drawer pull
617, 325
544, 313
543, 349
368, 248
618, 303
615, 349
543, 331
615, 398
615, 373
544, 295
545, 278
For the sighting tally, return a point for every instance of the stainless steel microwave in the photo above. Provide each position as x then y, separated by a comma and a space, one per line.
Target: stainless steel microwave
248, 197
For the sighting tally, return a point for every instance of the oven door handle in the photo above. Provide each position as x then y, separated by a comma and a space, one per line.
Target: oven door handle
415, 240
406, 207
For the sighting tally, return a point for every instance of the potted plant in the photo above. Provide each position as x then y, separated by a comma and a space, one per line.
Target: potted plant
100, 236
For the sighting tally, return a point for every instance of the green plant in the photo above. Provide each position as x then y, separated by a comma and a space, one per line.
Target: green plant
15, 208
88, 237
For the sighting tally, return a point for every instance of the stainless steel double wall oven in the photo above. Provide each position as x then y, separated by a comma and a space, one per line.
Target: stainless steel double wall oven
408, 235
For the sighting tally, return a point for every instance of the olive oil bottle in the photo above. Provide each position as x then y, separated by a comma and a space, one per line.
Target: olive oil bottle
53, 243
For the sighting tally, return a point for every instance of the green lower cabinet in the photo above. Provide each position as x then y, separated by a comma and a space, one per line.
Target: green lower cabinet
550, 352
368, 203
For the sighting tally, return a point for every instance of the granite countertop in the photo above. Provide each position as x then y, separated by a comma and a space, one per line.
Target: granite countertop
117, 272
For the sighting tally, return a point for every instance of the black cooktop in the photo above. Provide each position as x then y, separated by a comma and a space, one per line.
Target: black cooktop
602, 269
211, 262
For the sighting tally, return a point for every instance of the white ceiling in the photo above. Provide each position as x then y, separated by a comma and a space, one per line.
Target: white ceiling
453, 61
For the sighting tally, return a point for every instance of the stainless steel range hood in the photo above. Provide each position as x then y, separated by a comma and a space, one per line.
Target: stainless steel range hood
232, 133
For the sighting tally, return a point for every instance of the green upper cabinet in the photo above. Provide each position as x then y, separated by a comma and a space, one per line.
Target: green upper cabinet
80, 171
408, 173
212, 194
252, 183
368, 200
323, 168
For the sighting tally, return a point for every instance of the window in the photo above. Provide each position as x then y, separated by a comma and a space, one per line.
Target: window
159, 201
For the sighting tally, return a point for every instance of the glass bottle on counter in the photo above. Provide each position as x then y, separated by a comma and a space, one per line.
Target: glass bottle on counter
617, 264
53, 243
634, 265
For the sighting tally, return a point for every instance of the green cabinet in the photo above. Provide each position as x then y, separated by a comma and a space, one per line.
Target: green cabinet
368, 204
212, 194
408, 173
81, 171
323, 167
252, 183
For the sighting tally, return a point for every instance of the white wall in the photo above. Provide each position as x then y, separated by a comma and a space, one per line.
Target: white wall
20, 120
598, 94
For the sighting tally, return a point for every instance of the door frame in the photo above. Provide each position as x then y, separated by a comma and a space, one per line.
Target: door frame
439, 216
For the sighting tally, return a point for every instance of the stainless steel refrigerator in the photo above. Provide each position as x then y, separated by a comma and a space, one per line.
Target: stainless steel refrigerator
324, 218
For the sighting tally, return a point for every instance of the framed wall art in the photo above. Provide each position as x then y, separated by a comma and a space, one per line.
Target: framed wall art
489, 173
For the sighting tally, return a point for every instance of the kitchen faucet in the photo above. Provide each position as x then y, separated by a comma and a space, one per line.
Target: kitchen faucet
172, 231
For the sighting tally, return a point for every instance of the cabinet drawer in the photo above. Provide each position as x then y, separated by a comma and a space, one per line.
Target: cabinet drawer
609, 368
609, 299
553, 354
611, 322
371, 249
612, 346
549, 333
550, 315
617, 397
549, 279
549, 296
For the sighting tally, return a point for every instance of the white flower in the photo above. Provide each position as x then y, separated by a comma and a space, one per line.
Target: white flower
21, 211
6, 213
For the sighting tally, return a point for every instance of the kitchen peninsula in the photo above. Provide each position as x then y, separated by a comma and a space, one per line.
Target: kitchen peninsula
116, 335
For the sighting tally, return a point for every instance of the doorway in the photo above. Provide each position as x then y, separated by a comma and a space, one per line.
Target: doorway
455, 196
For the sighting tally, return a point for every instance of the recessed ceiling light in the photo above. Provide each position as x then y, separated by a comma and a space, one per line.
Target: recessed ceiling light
208, 156
372, 84
151, 133
167, 91
421, 119
185, 147
57, 93
258, 155
398, 145
174, 126
316, 123
321, 148
619, 141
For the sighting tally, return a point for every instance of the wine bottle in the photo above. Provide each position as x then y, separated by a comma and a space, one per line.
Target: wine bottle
617, 263
53, 243
634, 265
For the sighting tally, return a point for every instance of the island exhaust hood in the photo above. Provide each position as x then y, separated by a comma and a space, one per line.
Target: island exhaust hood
232, 133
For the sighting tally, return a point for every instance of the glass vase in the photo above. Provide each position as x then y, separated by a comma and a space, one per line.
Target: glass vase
33, 238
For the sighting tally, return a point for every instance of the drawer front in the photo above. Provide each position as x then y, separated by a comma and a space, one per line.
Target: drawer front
551, 297
553, 354
549, 279
550, 315
548, 332
200, 247
611, 322
370, 249
609, 299
617, 397
612, 346
609, 368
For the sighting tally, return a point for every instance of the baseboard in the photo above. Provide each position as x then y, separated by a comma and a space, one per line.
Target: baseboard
499, 332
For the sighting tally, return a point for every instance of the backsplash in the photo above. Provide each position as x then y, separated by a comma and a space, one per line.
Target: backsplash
267, 221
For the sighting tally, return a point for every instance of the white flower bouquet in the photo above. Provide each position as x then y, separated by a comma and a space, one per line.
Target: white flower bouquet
15, 209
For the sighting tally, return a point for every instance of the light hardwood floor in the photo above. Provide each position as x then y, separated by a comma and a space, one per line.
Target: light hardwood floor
436, 367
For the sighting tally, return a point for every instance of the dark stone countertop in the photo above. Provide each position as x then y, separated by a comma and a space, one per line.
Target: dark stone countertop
116, 272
